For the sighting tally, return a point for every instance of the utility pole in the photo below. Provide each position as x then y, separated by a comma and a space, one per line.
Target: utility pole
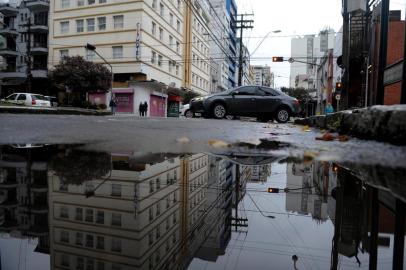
242, 24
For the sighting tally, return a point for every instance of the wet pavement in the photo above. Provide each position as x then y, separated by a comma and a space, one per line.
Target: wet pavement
244, 205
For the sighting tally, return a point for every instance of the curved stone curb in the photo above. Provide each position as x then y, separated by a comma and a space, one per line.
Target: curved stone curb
381, 123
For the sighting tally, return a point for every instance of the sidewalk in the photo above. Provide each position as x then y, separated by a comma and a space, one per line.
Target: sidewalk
52, 110
381, 123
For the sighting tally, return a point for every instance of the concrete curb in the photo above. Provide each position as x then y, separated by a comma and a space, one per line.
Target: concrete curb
381, 123
58, 110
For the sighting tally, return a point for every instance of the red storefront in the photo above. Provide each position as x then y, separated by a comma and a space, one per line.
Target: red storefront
124, 100
157, 106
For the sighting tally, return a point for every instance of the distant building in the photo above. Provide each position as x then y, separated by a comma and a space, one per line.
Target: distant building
246, 79
263, 76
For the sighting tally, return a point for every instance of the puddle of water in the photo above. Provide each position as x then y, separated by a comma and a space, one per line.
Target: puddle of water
66, 208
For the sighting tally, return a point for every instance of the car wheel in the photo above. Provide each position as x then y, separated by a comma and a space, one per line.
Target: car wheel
189, 114
219, 111
282, 115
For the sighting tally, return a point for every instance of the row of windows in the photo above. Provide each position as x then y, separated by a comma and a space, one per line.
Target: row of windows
197, 182
156, 184
197, 164
89, 186
199, 82
80, 3
199, 27
155, 235
82, 263
162, 6
157, 59
203, 65
170, 198
153, 262
200, 46
172, 43
171, 18
196, 199
89, 240
90, 24
90, 215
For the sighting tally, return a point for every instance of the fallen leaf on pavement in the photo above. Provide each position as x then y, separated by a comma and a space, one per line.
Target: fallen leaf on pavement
326, 137
218, 143
343, 138
306, 128
183, 140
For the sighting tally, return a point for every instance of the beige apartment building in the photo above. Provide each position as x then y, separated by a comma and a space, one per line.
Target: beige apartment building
146, 42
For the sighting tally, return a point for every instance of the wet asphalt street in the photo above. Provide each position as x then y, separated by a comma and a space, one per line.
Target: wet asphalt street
129, 133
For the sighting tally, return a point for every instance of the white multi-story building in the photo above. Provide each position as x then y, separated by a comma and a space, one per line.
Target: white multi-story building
263, 76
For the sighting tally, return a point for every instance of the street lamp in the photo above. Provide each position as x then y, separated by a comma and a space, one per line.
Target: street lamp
93, 48
270, 32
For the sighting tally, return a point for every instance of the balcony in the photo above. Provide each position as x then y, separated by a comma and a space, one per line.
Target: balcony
12, 74
8, 52
8, 10
8, 32
41, 73
39, 28
8, 184
37, 5
39, 49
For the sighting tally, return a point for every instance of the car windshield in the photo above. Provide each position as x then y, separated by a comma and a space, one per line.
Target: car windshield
39, 97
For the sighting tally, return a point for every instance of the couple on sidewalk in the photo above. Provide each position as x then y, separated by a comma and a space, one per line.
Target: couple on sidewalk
143, 108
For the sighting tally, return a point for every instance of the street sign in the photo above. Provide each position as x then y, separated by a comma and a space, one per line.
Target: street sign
338, 97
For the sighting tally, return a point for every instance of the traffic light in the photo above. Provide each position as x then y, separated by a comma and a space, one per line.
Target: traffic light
339, 86
273, 190
277, 59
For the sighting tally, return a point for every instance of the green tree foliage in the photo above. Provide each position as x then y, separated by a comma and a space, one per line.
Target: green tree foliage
300, 94
77, 166
79, 75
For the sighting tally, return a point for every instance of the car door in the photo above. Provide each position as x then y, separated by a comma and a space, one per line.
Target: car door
242, 101
12, 98
21, 99
268, 100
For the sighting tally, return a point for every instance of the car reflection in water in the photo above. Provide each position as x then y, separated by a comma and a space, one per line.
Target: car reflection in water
125, 210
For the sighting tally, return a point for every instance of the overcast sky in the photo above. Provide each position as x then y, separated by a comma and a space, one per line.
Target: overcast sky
292, 17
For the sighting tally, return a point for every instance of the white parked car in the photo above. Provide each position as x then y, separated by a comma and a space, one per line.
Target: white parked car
185, 111
28, 99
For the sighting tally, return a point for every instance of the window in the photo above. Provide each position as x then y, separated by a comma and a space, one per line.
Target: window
151, 214
159, 60
157, 233
100, 242
158, 183
116, 188
116, 219
21, 97
117, 53
168, 202
175, 199
89, 215
170, 70
118, 21
161, 9
150, 238
154, 4
90, 55
115, 245
178, 4
64, 236
100, 217
101, 22
64, 27
65, 3
153, 28
161, 34
80, 263
177, 69
177, 25
79, 239
100, 265
89, 264
246, 90
153, 60
167, 224
81, 3
79, 26
79, 214
65, 259
90, 25
102, 1
64, 212
91, 2
170, 18
89, 240
170, 41
158, 209
177, 47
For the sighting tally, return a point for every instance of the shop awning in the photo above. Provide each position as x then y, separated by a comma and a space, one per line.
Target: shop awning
123, 90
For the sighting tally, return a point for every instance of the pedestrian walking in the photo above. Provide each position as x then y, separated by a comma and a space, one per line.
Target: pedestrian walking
141, 109
145, 108
329, 108
113, 105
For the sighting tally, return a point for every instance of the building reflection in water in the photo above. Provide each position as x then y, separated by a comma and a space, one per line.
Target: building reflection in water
91, 210
367, 220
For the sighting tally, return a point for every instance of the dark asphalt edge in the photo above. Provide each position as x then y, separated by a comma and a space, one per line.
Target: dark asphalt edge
57, 111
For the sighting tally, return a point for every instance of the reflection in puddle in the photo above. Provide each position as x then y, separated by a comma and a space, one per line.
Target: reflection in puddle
66, 208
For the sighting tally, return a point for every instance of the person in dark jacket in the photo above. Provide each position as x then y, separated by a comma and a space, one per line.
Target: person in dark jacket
141, 109
113, 105
145, 108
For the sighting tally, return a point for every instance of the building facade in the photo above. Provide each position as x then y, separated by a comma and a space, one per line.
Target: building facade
263, 76
24, 32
